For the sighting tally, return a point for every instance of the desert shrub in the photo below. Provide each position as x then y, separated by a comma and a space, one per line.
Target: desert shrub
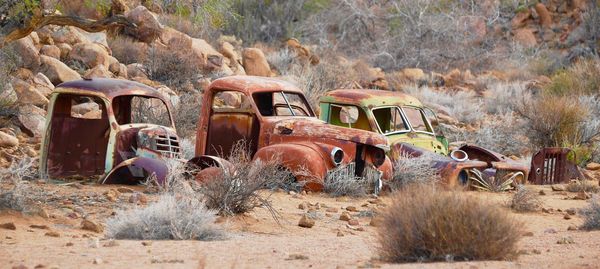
554, 120
591, 214
583, 186
186, 114
580, 78
235, 190
499, 182
505, 133
10, 61
170, 218
15, 192
505, 97
463, 106
591, 24
343, 182
127, 50
525, 200
424, 224
409, 170
174, 68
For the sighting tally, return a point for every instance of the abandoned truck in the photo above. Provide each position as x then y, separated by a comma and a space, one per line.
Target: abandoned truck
275, 120
409, 128
118, 130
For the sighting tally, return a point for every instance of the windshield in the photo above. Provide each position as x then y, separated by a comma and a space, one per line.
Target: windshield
417, 119
390, 120
141, 109
282, 104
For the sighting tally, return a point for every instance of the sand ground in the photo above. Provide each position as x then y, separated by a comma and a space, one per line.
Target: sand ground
255, 240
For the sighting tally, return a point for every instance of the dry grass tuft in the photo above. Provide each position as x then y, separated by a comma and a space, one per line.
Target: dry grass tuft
410, 170
424, 225
525, 200
591, 215
235, 192
170, 218
583, 186
343, 182
15, 192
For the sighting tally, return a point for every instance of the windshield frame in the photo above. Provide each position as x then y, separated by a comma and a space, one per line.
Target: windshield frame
401, 114
164, 102
311, 113
426, 120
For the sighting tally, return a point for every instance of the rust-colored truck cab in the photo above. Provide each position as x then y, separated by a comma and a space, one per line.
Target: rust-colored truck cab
119, 130
275, 120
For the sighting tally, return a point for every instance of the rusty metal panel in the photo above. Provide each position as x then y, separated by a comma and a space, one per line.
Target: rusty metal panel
552, 165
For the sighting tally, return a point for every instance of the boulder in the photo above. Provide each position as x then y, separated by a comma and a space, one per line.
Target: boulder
148, 27
45, 35
520, 19
175, 39
50, 51
593, 166
136, 70
32, 119
27, 94
98, 38
57, 71
118, 69
255, 63
43, 84
7, 140
69, 35
100, 71
413, 74
35, 38
475, 26
30, 57
525, 37
65, 50
90, 54
209, 58
306, 222
544, 15
8, 93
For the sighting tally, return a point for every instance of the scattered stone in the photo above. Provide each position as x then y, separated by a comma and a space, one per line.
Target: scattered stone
255, 63
303, 206
536, 251
112, 195
39, 266
125, 190
352, 208
306, 222
8, 226
593, 166
345, 216
557, 187
43, 227
550, 231
567, 217
52, 234
296, 257
542, 192
69, 244
146, 243
111, 243
565, 240
353, 222
340, 234
528, 234
547, 210
571, 211
138, 198
376, 222
331, 210
20, 267
572, 228
97, 261
582, 196
93, 243
89, 225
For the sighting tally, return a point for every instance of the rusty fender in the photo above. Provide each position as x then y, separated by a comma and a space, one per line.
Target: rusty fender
304, 162
205, 168
495, 160
135, 170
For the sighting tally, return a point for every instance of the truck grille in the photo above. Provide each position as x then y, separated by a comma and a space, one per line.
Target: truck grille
168, 146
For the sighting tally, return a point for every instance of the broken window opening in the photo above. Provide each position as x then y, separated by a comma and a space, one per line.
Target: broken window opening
390, 120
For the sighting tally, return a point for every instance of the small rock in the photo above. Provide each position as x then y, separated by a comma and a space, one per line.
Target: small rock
292, 193
20, 267
536, 251
593, 166
572, 228
528, 234
43, 227
582, 196
297, 257
52, 234
352, 208
111, 243
353, 222
97, 261
547, 210
557, 187
567, 217
306, 222
69, 244
542, 192
89, 225
340, 234
124, 190
8, 226
345, 216
303, 206
146, 243
112, 195
550, 231
93, 243
565, 240
39, 266
138, 198
375, 222
571, 211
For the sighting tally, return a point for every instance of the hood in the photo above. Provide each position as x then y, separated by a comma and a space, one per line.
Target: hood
313, 127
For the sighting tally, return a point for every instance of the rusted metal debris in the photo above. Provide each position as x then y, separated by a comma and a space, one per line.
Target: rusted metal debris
276, 121
105, 127
554, 165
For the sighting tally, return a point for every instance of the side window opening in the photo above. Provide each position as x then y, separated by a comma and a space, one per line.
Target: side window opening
282, 104
361, 123
91, 108
141, 109
229, 101
417, 119
390, 120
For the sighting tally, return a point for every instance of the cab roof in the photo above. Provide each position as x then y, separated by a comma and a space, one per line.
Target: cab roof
252, 84
370, 98
109, 88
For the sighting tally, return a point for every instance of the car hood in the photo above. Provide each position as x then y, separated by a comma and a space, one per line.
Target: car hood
313, 127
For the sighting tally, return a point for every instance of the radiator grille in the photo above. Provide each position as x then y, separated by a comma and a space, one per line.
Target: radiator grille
168, 146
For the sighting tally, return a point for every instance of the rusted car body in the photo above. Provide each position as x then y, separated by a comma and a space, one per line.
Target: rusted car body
118, 130
409, 127
553, 166
275, 120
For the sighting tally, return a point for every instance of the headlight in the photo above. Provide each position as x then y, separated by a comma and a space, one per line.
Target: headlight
378, 157
337, 156
459, 155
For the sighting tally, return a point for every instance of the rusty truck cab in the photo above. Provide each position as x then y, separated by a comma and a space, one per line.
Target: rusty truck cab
274, 119
117, 129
